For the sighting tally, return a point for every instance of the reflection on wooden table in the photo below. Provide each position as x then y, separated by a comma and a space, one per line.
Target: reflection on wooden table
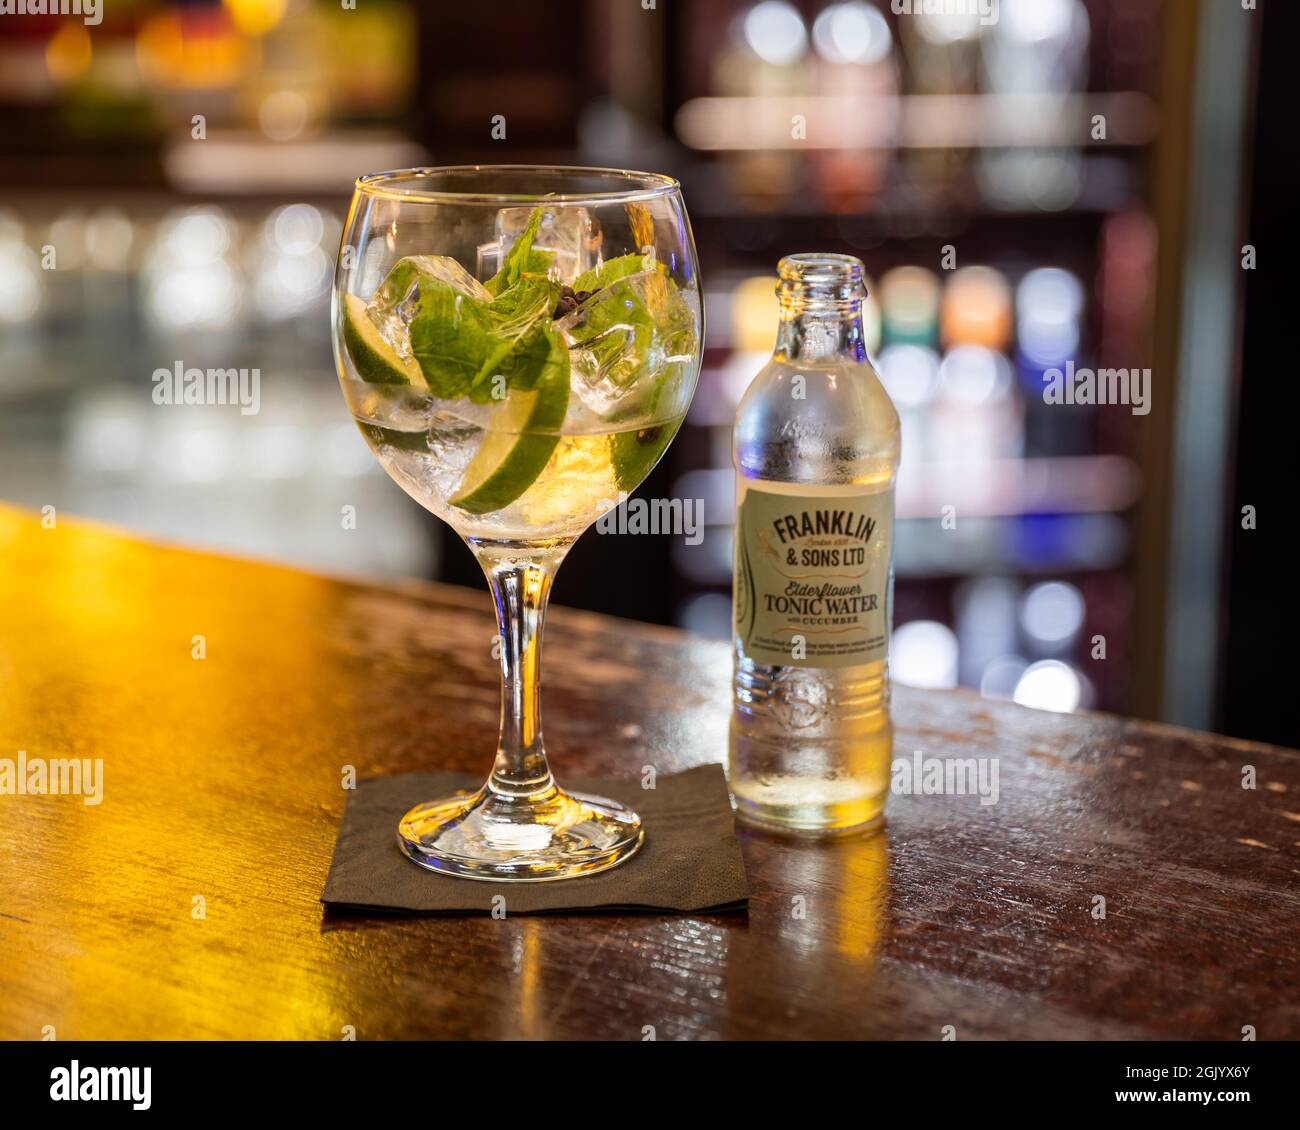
185, 904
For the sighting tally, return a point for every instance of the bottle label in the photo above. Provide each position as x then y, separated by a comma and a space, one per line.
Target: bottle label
812, 577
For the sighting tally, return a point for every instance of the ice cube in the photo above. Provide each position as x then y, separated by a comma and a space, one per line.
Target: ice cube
403, 409
622, 337
397, 300
568, 234
396, 408
489, 259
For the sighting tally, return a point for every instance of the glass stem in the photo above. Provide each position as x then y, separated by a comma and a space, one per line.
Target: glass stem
520, 587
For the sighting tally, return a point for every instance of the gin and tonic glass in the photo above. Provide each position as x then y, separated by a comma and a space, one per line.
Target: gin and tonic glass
518, 345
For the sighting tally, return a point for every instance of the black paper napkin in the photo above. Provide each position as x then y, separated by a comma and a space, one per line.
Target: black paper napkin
690, 859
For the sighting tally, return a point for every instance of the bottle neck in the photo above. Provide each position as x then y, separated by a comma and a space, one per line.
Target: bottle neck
820, 332
821, 308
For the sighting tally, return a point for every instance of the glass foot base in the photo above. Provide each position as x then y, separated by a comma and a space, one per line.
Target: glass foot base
492, 836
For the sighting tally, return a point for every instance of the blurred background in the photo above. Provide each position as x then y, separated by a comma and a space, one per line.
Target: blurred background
1029, 182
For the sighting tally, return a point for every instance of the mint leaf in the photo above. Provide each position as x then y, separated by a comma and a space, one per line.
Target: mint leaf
516, 316
461, 341
522, 259
520, 361
610, 271
518, 307
536, 357
452, 335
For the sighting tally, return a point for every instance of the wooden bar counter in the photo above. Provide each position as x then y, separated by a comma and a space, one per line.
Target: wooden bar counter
185, 903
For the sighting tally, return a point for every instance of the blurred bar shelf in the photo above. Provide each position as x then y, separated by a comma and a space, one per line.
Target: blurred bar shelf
237, 162
915, 121
1002, 488
1082, 484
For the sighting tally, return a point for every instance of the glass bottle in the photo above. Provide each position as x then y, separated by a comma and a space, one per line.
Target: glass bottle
816, 449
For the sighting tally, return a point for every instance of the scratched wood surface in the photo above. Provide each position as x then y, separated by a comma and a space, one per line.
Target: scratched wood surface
222, 782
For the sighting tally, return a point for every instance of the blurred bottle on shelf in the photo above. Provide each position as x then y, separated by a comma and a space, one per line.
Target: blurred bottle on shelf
941, 57
977, 416
854, 67
909, 306
764, 57
1035, 56
986, 628
1049, 336
910, 374
23, 291
976, 309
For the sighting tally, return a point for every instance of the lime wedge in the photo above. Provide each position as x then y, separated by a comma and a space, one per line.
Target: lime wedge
521, 434
633, 454
375, 360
